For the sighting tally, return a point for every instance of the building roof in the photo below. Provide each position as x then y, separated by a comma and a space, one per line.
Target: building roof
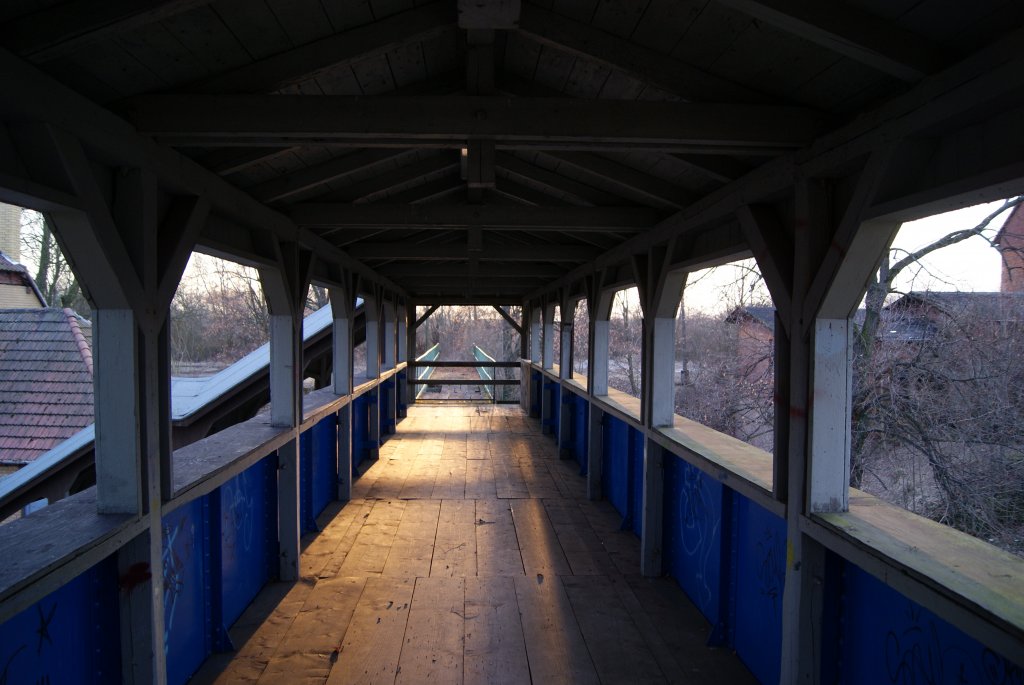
46, 390
762, 315
990, 306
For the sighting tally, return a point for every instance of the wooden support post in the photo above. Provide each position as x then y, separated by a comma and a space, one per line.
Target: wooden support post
536, 324
652, 513
660, 291
285, 289
599, 306
410, 344
811, 229
404, 316
342, 304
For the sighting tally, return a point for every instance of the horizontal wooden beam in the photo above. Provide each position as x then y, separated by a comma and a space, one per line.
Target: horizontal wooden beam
447, 217
864, 38
405, 271
48, 34
405, 251
452, 120
583, 40
309, 60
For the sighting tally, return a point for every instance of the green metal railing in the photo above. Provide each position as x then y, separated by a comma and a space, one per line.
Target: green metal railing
486, 372
425, 372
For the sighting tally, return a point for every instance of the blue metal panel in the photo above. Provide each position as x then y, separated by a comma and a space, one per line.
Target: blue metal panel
536, 381
580, 438
636, 479
70, 636
307, 522
325, 462
387, 422
187, 639
887, 638
402, 406
693, 534
554, 396
360, 429
761, 571
248, 523
615, 475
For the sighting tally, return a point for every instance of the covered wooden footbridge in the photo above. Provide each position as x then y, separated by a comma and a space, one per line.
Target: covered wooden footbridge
493, 152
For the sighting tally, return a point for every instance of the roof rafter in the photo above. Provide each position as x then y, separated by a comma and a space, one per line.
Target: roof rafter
861, 37
283, 187
632, 182
583, 40
449, 121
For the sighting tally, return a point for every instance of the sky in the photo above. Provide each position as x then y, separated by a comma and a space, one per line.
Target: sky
972, 265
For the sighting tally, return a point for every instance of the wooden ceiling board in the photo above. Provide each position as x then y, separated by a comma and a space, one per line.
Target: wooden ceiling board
202, 33
580, 10
784, 62
522, 56
348, 14
385, 8
838, 86
619, 17
303, 20
162, 53
118, 69
713, 32
70, 72
408, 65
441, 53
665, 21
553, 68
621, 86
339, 80
255, 26
374, 75
587, 79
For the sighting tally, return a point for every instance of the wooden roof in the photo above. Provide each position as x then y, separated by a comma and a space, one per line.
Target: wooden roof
479, 151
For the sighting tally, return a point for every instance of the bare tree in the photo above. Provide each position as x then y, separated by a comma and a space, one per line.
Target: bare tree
54, 277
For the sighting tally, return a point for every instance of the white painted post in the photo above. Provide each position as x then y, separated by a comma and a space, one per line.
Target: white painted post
389, 346
548, 326
568, 312
830, 416
663, 382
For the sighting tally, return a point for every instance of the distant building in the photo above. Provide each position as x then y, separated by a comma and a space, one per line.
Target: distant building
46, 385
1010, 243
17, 289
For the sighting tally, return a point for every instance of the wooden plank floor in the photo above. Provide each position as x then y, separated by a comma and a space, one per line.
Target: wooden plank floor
470, 554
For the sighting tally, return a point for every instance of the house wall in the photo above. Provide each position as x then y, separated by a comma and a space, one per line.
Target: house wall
10, 231
1011, 245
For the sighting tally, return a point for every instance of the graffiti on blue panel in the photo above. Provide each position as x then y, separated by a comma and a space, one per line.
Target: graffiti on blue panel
771, 568
4, 674
179, 540
238, 507
918, 654
699, 521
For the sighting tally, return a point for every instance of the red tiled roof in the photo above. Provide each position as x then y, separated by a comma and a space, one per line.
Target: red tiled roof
45, 381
